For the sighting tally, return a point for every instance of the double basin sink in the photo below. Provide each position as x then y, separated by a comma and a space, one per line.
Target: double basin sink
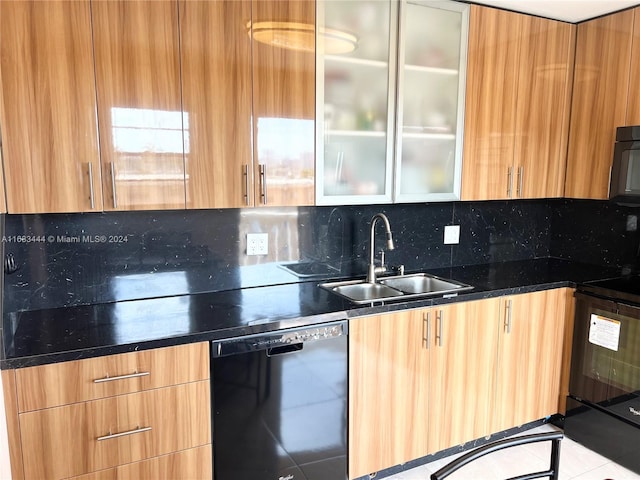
402, 287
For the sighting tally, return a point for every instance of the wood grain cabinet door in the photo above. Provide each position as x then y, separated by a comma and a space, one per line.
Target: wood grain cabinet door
216, 92
283, 108
542, 109
139, 105
530, 357
388, 390
86, 437
599, 102
48, 107
462, 374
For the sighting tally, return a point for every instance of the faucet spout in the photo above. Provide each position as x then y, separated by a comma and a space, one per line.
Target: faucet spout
373, 270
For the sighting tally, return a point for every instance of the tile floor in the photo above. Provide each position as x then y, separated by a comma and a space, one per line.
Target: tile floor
576, 463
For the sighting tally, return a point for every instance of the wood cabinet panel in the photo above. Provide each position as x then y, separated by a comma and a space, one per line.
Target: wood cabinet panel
179, 418
599, 102
284, 110
139, 104
489, 130
633, 96
545, 81
530, 357
69, 382
462, 374
13, 423
388, 403
48, 107
216, 93
191, 464
569, 316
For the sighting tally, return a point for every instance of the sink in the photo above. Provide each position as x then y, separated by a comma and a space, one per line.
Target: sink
402, 287
424, 283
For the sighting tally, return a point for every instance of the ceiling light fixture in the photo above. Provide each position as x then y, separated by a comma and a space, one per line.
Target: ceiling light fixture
302, 37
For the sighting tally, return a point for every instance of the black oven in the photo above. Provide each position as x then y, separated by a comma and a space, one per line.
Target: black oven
603, 409
625, 171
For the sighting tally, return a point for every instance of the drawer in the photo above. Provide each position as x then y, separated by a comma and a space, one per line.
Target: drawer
85, 437
80, 380
192, 464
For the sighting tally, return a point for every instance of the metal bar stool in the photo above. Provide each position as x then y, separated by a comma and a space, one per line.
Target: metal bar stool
553, 473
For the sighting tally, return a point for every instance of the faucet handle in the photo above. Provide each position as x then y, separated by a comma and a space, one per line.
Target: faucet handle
382, 258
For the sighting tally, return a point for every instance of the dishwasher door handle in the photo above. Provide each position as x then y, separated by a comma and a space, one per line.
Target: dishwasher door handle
293, 348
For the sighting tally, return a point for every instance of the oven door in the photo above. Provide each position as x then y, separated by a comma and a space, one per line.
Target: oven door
605, 362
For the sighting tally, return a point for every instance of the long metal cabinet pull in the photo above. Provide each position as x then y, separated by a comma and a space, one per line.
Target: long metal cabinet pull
121, 377
427, 337
245, 173
123, 434
113, 185
439, 317
509, 181
520, 179
507, 323
263, 182
91, 199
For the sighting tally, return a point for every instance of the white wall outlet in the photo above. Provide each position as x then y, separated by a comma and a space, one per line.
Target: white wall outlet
451, 234
257, 243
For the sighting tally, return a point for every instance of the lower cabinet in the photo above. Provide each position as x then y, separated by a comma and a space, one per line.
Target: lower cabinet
141, 415
530, 356
424, 380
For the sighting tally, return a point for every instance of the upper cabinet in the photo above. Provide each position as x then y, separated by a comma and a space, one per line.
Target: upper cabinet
390, 82
517, 105
139, 104
599, 106
216, 95
283, 67
48, 107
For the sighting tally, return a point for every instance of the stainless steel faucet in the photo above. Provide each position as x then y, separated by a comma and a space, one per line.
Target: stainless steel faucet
373, 270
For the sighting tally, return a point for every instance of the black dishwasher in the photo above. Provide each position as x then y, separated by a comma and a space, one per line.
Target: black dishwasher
280, 405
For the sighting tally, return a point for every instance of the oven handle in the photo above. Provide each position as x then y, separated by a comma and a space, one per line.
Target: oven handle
280, 341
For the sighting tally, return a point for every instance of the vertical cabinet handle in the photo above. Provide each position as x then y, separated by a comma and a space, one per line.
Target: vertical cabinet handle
91, 198
507, 317
113, 185
263, 182
439, 317
520, 179
509, 181
245, 174
427, 336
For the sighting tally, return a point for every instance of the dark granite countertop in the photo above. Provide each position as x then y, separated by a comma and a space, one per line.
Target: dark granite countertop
61, 334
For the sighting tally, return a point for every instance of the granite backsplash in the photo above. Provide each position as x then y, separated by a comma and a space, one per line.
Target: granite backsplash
76, 259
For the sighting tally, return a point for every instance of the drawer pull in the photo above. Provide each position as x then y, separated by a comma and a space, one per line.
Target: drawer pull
123, 434
121, 377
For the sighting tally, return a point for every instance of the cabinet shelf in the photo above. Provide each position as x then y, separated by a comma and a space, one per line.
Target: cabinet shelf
436, 70
355, 61
356, 133
433, 136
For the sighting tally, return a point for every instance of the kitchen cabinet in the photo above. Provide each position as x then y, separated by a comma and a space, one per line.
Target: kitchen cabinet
462, 374
411, 375
122, 416
283, 72
216, 94
530, 357
48, 107
137, 76
390, 109
517, 105
424, 380
599, 103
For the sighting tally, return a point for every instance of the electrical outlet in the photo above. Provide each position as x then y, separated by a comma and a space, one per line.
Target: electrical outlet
451, 234
257, 243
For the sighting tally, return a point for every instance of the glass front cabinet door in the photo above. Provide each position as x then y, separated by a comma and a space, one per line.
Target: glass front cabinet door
390, 100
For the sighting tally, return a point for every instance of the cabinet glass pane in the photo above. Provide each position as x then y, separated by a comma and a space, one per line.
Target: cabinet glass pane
355, 102
354, 165
430, 93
